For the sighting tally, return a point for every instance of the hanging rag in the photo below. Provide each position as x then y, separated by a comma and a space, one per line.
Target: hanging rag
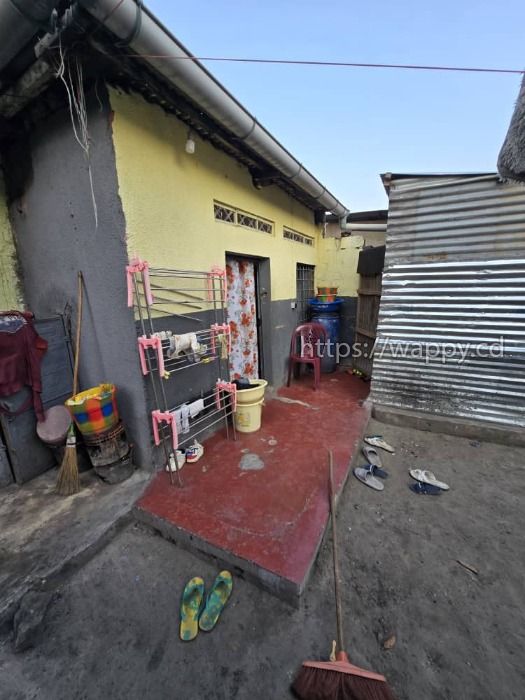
21, 353
188, 345
223, 343
182, 419
185, 343
196, 407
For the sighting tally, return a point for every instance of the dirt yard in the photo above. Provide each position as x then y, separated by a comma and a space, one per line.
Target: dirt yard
112, 631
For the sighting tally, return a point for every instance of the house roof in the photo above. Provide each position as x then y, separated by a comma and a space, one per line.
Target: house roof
388, 177
120, 41
511, 160
380, 215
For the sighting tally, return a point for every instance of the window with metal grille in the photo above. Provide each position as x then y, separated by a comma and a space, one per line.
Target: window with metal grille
223, 213
297, 237
230, 215
305, 289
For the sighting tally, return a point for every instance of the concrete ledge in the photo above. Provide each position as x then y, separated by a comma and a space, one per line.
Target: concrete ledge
55, 536
461, 427
286, 590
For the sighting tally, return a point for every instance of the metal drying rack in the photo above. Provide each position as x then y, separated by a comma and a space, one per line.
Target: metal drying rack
155, 293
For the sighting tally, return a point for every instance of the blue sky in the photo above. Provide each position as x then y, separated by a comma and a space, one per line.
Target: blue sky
347, 125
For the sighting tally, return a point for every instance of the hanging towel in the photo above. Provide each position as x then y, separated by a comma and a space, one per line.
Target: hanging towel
185, 343
196, 407
182, 419
223, 342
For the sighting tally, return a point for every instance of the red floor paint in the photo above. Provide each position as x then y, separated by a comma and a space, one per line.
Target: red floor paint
272, 519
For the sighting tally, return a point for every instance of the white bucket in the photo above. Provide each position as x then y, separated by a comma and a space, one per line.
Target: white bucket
248, 416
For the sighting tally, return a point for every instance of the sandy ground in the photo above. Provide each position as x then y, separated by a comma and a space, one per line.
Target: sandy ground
113, 630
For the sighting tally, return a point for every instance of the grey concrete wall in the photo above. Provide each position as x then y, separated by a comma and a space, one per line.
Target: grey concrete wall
54, 225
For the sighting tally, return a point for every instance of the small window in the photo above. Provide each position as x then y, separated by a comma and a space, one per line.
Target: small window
297, 237
230, 215
223, 213
304, 289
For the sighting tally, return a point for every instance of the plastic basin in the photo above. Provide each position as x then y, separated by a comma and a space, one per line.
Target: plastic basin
254, 393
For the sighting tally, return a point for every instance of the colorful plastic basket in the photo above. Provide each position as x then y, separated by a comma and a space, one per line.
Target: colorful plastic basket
94, 410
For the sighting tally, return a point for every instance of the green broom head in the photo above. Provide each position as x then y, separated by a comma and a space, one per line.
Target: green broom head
339, 680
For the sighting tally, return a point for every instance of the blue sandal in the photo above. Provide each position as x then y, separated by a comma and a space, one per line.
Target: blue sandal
425, 489
376, 471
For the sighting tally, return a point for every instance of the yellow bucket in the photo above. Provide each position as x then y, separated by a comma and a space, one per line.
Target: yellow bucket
248, 416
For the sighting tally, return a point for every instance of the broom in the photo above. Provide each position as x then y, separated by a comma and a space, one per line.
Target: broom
338, 679
68, 481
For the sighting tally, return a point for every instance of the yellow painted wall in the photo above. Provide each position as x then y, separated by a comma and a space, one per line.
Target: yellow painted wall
168, 196
337, 264
10, 293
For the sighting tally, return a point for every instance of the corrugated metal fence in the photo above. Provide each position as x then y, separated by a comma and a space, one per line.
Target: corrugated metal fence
451, 333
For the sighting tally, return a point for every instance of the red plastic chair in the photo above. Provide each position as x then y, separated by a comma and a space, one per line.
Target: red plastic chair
310, 337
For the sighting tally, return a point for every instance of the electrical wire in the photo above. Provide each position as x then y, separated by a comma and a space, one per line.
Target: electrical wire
74, 87
343, 64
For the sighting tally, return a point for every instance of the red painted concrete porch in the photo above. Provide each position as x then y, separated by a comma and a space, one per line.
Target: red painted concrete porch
266, 523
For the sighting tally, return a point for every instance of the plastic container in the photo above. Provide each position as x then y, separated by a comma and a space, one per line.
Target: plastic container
331, 291
328, 314
253, 394
94, 410
248, 415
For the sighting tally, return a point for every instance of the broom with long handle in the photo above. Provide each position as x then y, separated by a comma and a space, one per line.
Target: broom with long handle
339, 679
68, 481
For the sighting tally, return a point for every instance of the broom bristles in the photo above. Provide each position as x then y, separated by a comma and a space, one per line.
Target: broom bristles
68, 481
338, 684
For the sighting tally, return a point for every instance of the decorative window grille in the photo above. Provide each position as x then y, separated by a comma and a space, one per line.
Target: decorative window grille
305, 289
297, 237
223, 213
230, 215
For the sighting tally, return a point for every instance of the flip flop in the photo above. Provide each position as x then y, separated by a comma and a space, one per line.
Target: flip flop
366, 477
427, 477
372, 457
190, 607
216, 600
377, 441
425, 489
376, 471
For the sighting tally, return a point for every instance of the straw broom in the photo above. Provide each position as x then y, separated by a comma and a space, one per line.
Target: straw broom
339, 679
68, 481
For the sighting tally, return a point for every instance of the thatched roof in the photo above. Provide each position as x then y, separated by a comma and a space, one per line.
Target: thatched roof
511, 160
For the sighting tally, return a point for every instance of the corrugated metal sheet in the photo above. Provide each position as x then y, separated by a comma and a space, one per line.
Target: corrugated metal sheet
451, 333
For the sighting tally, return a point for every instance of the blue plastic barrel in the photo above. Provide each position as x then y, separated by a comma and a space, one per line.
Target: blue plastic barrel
328, 314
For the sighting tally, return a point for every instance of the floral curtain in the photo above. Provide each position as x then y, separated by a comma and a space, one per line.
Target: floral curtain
242, 317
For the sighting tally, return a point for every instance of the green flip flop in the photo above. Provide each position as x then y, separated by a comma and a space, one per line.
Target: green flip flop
190, 608
216, 600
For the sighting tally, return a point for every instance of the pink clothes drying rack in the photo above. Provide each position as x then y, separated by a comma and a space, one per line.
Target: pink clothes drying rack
159, 292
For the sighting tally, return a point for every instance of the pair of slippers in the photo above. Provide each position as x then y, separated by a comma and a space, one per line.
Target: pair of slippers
200, 611
368, 475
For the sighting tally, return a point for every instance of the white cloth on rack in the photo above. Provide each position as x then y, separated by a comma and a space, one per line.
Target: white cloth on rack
196, 407
182, 419
185, 343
